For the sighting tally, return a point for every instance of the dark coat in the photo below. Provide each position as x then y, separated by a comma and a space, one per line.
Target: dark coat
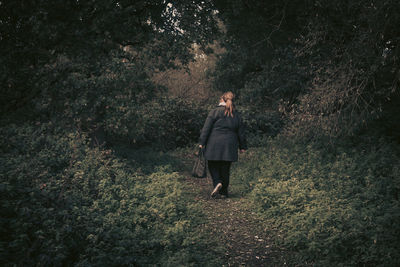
222, 135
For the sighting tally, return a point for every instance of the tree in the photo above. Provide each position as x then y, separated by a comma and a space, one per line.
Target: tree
35, 35
330, 66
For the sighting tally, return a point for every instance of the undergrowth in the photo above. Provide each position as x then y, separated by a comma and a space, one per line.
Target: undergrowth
64, 202
336, 206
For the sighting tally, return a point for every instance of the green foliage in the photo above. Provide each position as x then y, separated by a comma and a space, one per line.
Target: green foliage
89, 64
65, 203
336, 207
330, 67
258, 123
164, 123
33, 35
68, 70
261, 64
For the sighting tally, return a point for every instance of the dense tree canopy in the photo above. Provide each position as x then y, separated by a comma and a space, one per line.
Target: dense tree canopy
333, 65
330, 64
41, 41
89, 64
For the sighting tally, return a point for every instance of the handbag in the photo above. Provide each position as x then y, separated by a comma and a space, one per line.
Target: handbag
200, 165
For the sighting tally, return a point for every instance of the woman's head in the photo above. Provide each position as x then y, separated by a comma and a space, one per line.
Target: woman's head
228, 99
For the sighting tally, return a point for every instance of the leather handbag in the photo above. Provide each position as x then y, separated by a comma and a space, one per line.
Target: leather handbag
200, 165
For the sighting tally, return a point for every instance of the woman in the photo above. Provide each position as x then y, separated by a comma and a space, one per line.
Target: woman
222, 135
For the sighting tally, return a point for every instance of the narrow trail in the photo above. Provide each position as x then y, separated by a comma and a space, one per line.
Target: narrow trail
236, 227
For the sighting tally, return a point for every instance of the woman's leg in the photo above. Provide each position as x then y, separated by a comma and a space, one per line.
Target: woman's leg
225, 167
214, 168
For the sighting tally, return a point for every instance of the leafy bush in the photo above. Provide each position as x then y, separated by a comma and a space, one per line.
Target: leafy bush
66, 203
329, 66
164, 122
339, 207
260, 123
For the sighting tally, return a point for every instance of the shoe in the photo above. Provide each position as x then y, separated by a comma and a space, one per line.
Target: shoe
216, 190
223, 196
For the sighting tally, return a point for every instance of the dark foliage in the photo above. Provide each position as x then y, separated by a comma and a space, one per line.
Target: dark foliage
330, 66
335, 206
65, 203
322, 77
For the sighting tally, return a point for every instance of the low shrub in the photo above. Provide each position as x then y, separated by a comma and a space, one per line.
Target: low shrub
336, 207
260, 124
164, 123
66, 203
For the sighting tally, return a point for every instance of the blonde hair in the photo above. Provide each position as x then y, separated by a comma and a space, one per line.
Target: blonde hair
228, 99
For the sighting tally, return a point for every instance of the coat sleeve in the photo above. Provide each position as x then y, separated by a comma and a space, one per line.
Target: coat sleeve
242, 134
206, 130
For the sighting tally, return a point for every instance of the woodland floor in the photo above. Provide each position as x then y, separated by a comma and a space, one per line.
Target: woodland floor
237, 229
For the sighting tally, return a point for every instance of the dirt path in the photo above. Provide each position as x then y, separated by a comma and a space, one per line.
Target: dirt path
235, 225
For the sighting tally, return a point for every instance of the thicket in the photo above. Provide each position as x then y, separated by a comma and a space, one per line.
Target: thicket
329, 72
64, 202
76, 84
335, 206
322, 76
90, 66
331, 68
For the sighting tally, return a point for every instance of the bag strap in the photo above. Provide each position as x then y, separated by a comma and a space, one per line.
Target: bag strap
201, 152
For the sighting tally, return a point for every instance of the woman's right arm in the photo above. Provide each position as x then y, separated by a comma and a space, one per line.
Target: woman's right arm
206, 130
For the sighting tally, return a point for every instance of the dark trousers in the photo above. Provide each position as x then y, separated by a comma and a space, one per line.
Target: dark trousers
219, 171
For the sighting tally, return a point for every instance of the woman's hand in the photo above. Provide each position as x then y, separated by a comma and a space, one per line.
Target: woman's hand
200, 146
242, 150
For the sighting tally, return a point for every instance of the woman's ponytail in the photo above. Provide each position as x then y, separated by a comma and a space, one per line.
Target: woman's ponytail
229, 108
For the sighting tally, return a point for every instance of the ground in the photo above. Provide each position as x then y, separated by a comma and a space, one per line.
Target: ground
234, 224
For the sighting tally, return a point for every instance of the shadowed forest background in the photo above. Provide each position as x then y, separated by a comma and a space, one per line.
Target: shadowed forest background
98, 98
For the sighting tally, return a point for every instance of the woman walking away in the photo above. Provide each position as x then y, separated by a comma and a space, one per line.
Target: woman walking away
222, 135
